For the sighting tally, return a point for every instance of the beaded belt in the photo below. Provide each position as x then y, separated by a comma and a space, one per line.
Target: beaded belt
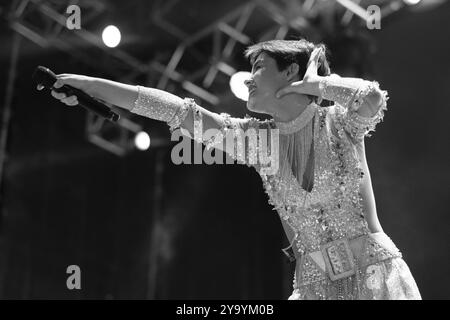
340, 258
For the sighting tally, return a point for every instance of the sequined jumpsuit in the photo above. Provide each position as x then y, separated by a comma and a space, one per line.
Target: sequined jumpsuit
337, 257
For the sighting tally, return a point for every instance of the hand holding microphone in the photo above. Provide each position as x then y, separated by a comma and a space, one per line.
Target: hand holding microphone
72, 89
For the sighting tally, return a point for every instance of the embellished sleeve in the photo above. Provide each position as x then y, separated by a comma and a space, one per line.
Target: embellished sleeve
241, 138
350, 95
246, 140
156, 104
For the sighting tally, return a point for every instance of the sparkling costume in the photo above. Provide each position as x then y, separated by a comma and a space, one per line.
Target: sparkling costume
316, 189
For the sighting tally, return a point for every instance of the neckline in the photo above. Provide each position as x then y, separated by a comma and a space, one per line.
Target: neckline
298, 123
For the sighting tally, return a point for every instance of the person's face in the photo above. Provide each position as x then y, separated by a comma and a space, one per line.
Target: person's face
264, 83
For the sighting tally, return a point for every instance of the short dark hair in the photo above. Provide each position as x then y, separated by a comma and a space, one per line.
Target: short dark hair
286, 52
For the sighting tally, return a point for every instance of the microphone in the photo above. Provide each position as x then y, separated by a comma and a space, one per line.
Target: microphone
45, 77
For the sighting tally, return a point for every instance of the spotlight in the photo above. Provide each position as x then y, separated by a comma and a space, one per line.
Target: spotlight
238, 86
411, 2
142, 140
111, 36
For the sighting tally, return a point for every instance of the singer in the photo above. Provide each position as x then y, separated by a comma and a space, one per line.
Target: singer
322, 189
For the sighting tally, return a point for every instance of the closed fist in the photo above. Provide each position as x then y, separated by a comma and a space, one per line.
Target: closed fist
77, 81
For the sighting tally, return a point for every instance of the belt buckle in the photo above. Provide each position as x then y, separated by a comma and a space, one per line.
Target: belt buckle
338, 259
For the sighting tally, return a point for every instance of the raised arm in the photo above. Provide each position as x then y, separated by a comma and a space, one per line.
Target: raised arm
362, 96
359, 104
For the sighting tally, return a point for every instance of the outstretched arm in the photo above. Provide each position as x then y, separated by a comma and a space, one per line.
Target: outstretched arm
212, 129
177, 112
159, 105
149, 102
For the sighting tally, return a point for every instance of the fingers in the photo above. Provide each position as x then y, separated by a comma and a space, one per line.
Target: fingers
295, 87
319, 51
58, 95
59, 83
62, 79
314, 58
313, 63
282, 92
70, 101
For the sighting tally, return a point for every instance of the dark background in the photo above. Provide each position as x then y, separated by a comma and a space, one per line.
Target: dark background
209, 233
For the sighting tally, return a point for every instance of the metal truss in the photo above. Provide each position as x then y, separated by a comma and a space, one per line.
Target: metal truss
200, 64
43, 22
359, 8
223, 35
219, 44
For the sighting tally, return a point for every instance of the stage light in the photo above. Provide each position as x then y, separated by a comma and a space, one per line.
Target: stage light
238, 86
142, 140
111, 36
411, 2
